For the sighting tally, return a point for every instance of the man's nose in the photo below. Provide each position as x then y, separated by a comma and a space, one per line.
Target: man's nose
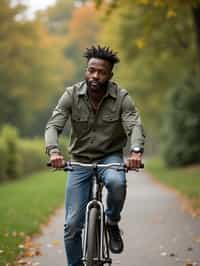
95, 75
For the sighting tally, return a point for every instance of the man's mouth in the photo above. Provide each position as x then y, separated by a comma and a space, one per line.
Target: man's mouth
94, 84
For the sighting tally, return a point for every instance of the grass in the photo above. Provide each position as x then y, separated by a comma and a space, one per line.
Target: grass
186, 180
24, 206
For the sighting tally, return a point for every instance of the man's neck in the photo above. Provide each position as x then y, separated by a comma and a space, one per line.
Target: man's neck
96, 97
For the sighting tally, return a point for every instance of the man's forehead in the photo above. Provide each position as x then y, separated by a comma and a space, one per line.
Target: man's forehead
99, 62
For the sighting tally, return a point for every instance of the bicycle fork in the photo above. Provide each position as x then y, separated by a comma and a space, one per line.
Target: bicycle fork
104, 258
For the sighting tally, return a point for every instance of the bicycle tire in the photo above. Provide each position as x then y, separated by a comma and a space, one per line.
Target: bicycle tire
93, 238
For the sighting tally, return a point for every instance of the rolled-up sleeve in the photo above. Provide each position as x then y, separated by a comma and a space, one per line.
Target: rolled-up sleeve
132, 123
57, 121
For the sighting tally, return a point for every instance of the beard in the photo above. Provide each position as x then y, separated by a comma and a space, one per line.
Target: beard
97, 86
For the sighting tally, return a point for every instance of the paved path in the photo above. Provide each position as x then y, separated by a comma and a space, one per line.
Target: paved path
156, 230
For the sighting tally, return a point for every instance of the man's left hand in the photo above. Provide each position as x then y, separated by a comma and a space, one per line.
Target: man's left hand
134, 161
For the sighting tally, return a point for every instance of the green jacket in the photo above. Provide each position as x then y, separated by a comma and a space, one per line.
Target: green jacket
94, 135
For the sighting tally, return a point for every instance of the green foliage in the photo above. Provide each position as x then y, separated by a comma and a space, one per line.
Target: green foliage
28, 75
57, 17
157, 43
181, 142
155, 48
24, 206
21, 157
12, 163
33, 157
3, 161
63, 143
185, 179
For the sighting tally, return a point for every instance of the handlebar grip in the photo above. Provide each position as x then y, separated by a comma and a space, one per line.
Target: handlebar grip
142, 166
48, 164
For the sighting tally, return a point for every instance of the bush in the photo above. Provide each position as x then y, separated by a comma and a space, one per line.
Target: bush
10, 140
3, 161
63, 143
33, 155
20, 157
182, 125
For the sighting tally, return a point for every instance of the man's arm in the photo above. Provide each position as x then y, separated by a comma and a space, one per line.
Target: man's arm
55, 127
133, 127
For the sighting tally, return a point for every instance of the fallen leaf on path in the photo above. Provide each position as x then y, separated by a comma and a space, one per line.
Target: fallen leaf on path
38, 253
14, 234
163, 254
197, 239
56, 242
22, 262
36, 263
190, 249
191, 264
28, 244
21, 234
29, 254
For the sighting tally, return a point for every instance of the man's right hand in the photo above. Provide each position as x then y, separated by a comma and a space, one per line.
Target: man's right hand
57, 160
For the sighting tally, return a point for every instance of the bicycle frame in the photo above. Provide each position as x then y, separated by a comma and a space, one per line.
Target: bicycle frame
96, 202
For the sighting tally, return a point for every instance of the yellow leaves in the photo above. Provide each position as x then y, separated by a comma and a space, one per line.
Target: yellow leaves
196, 239
14, 234
84, 26
158, 3
140, 43
55, 242
144, 2
155, 2
171, 13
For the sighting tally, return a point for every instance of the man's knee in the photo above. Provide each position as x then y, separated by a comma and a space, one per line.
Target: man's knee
115, 182
71, 229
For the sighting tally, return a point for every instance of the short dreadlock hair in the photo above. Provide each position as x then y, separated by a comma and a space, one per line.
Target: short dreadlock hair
103, 53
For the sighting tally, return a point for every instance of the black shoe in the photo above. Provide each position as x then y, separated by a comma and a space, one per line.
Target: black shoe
115, 240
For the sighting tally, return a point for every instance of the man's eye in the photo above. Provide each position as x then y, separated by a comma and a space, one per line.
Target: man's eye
102, 72
91, 70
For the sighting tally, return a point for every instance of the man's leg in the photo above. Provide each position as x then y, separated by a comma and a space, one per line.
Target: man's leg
115, 182
77, 196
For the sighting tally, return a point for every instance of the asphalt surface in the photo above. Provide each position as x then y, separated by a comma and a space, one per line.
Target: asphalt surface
156, 230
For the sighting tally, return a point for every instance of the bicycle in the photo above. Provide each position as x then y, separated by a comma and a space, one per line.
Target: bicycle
95, 236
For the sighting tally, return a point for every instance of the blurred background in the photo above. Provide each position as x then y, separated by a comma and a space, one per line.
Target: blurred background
157, 41
41, 52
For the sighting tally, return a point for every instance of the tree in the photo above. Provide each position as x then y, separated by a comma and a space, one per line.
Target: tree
28, 75
158, 43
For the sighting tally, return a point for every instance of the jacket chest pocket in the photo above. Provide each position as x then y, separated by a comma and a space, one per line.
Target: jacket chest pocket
111, 124
80, 123
111, 117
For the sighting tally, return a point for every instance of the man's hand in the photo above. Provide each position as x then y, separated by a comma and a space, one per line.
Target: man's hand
134, 161
57, 160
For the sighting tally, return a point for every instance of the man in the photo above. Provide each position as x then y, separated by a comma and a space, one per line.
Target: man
103, 117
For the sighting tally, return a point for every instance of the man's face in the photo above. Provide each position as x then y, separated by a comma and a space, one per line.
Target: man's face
98, 73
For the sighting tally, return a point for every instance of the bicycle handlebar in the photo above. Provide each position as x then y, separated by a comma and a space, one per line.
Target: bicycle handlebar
118, 166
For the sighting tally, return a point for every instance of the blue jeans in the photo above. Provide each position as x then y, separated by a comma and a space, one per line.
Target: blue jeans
77, 197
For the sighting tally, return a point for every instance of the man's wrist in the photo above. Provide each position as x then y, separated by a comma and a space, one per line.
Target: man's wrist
53, 151
137, 149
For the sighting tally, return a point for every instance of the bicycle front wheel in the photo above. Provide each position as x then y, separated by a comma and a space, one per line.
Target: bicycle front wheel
93, 238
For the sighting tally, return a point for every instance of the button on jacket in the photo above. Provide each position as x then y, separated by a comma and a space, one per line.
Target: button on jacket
94, 135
